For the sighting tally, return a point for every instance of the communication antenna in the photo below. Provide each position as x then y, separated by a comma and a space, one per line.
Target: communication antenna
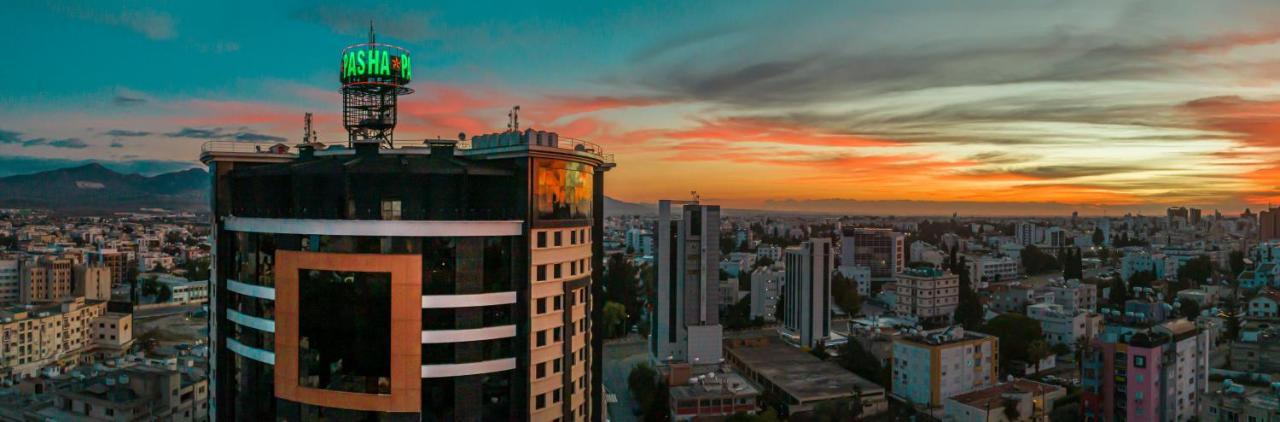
308, 135
694, 194
513, 119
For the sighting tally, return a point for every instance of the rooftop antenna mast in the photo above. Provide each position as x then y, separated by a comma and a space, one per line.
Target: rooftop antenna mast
308, 135
696, 197
513, 119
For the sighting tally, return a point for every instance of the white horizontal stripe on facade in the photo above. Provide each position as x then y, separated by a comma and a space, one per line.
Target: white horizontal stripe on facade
260, 292
259, 355
377, 228
467, 301
260, 324
471, 334
461, 369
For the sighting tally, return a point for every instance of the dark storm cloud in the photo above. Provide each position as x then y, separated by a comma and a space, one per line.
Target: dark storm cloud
73, 143
258, 137
998, 157
353, 20
220, 133
187, 132
1071, 172
126, 133
10, 137
124, 100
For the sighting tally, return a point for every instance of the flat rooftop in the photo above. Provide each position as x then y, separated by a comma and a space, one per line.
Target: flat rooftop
802, 375
715, 384
994, 396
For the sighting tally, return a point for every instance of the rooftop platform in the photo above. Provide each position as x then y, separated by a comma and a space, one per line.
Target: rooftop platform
496, 143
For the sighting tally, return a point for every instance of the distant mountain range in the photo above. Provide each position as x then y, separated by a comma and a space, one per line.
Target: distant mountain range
616, 207
92, 188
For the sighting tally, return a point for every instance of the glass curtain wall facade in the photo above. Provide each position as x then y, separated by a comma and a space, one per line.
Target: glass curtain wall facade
383, 284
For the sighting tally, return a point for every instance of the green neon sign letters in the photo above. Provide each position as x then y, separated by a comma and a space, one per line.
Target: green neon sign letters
373, 63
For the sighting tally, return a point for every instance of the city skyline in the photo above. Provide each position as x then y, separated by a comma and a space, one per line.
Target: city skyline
1039, 108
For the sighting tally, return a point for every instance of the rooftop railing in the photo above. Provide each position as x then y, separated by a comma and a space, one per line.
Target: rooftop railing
565, 143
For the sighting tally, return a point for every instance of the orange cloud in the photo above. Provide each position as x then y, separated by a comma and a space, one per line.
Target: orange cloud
1256, 124
1231, 41
761, 130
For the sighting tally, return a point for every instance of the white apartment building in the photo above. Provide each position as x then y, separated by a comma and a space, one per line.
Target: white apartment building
932, 366
989, 268
766, 285
928, 294
1063, 326
1075, 296
773, 252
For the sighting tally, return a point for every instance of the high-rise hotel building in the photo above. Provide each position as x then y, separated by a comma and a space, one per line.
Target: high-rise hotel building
686, 319
383, 280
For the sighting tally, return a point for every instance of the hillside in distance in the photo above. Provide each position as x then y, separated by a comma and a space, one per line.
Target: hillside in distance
92, 188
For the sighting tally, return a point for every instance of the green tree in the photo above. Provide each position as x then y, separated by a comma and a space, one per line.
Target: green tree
1142, 278
1011, 409
1035, 261
1237, 263
1037, 350
1233, 321
969, 311
622, 286
1188, 308
1119, 293
1196, 270
858, 360
1072, 264
645, 387
615, 319
1016, 332
844, 292
1098, 238
738, 316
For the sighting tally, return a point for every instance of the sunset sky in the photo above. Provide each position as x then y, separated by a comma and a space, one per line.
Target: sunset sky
907, 107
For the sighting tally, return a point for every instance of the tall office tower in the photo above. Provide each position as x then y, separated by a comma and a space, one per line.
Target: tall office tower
46, 279
806, 318
1269, 224
686, 320
393, 280
1193, 216
1177, 214
1028, 233
881, 250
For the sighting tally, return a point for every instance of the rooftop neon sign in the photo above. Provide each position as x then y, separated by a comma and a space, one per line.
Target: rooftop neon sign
376, 63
